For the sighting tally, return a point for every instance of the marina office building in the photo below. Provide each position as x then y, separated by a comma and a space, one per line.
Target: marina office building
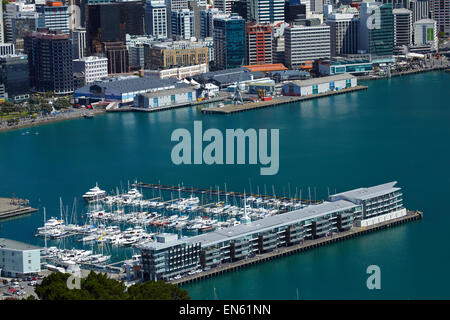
18, 259
360, 207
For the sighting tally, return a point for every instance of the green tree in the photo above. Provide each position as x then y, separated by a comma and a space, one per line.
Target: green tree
46, 108
61, 103
97, 286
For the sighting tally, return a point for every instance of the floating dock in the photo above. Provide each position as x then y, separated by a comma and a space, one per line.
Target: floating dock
12, 207
217, 192
303, 246
276, 101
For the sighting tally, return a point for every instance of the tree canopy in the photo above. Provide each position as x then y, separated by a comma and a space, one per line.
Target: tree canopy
97, 286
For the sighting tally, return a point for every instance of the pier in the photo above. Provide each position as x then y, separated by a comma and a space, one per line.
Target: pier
277, 101
12, 207
214, 192
301, 247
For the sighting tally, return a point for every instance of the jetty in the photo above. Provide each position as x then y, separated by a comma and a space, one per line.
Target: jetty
12, 207
301, 247
276, 101
215, 192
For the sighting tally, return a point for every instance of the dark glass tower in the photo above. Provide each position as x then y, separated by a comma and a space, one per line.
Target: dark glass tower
50, 62
229, 42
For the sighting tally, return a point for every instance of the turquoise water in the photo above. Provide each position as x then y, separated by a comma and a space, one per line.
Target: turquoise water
396, 130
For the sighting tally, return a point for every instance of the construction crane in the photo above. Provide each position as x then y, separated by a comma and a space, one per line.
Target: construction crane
237, 96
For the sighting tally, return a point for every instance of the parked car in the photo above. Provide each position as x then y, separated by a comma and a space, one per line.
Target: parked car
32, 283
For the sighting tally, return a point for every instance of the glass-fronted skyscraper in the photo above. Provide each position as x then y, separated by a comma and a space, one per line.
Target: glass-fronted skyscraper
376, 29
229, 42
14, 76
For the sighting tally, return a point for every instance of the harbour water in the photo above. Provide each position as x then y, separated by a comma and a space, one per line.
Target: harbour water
396, 130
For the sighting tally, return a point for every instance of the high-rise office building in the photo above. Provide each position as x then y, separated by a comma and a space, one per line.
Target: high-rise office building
50, 61
343, 33
259, 43
174, 5
425, 33
79, 43
183, 24
441, 13
316, 6
14, 76
110, 22
156, 18
420, 9
229, 42
19, 18
94, 68
2, 39
118, 60
196, 7
306, 43
265, 11
206, 21
376, 29
54, 16
240, 8
175, 54
223, 5
403, 27
7, 49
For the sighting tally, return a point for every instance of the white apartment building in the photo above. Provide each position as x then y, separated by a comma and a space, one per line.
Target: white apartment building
441, 14
304, 44
93, 67
179, 73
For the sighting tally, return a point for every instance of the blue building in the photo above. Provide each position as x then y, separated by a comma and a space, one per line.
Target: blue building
14, 75
332, 67
229, 42
19, 259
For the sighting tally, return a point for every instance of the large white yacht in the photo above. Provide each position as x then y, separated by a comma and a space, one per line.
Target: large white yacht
94, 194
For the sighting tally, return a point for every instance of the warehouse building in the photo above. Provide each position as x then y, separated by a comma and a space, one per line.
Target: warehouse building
165, 98
319, 85
359, 207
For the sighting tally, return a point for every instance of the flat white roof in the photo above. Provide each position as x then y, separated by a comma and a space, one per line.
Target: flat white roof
367, 193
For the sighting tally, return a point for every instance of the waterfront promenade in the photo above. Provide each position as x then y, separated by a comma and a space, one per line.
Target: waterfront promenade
62, 116
303, 246
14, 207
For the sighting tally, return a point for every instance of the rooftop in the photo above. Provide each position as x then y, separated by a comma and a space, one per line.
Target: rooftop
168, 92
16, 245
266, 67
366, 193
337, 77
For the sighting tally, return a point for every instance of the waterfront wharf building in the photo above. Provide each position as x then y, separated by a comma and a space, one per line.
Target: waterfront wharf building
164, 260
